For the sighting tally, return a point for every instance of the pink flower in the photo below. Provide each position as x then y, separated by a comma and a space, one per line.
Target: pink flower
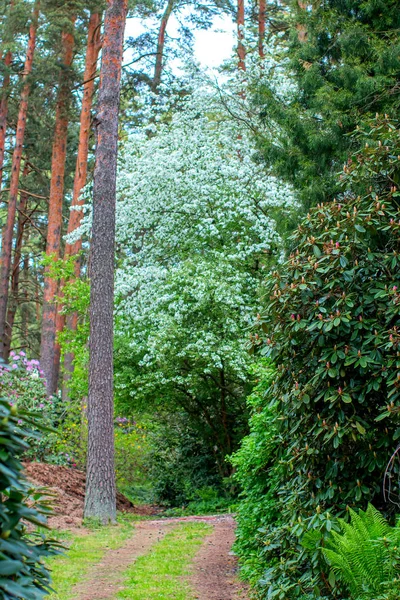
14, 366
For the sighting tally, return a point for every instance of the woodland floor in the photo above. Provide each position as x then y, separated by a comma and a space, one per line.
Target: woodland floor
212, 574
210, 567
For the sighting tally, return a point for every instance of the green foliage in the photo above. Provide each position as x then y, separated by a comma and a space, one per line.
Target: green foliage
256, 475
22, 572
331, 325
23, 385
365, 555
132, 448
343, 62
179, 463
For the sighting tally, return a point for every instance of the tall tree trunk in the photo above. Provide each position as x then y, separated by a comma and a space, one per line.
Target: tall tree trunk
4, 106
302, 33
100, 479
92, 53
160, 45
261, 27
4, 112
14, 181
13, 302
54, 226
241, 51
25, 296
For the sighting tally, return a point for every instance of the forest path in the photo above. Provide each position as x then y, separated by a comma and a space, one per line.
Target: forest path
212, 573
105, 579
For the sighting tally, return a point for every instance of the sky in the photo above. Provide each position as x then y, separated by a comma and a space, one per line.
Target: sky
211, 47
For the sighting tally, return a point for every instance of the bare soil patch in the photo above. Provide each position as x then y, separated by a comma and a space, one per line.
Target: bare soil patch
68, 487
215, 566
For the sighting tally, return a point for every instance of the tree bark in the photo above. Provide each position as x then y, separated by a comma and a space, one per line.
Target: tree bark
241, 51
302, 33
13, 303
4, 112
14, 181
161, 44
92, 53
261, 27
100, 479
54, 226
4, 106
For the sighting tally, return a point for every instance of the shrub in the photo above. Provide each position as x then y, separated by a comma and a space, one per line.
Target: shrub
22, 384
331, 325
22, 572
255, 475
179, 462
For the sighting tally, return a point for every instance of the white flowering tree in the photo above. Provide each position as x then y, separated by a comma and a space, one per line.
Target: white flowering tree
196, 226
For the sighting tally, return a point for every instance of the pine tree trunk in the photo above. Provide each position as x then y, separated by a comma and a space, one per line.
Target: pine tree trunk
14, 181
302, 33
13, 303
240, 28
160, 45
100, 479
261, 27
4, 107
92, 53
4, 112
54, 226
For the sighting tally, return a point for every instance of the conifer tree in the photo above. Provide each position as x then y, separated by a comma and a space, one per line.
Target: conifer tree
344, 61
73, 249
48, 357
100, 498
14, 183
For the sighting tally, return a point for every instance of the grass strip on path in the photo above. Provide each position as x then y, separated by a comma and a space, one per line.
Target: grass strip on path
162, 574
83, 551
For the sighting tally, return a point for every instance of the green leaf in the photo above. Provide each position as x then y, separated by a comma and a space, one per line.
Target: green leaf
317, 251
360, 428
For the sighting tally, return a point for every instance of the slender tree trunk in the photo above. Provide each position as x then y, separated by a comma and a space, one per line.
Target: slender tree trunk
241, 51
4, 106
261, 27
160, 45
302, 33
4, 112
25, 296
14, 181
100, 479
54, 226
16, 270
92, 53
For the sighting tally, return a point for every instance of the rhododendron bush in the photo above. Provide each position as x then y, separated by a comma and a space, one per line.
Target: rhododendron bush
22, 384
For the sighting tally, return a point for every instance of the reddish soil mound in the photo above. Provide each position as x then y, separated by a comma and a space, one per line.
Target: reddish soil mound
68, 486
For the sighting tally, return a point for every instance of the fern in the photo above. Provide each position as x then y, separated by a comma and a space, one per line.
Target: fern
364, 555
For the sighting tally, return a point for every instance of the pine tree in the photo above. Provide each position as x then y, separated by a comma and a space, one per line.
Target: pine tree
100, 499
48, 358
92, 52
344, 59
7, 239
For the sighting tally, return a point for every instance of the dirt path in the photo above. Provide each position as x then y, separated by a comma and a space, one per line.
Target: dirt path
213, 572
104, 580
215, 566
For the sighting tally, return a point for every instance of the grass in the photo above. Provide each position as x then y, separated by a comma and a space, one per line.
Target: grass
162, 574
84, 551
